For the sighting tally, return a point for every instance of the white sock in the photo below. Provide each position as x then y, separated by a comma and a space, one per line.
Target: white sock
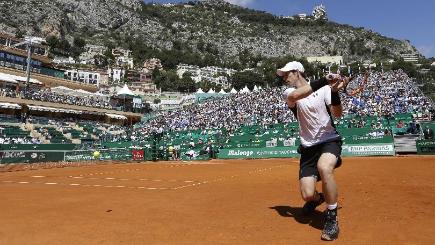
332, 206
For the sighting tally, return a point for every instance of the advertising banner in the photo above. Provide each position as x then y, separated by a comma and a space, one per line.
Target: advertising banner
30, 157
138, 155
426, 147
368, 150
253, 153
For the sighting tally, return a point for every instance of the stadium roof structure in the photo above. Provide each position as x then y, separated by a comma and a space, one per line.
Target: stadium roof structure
199, 91
116, 116
5, 105
44, 108
211, 91
16, 79
233, 91
74, 92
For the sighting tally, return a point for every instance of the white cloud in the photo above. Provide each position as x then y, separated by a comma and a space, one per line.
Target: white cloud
243, 3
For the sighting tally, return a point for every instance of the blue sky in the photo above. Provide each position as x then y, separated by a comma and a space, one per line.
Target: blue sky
400, 19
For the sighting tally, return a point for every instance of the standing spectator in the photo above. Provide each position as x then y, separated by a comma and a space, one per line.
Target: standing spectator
428, 133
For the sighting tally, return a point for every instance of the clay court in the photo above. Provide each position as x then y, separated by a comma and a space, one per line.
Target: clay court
383, 200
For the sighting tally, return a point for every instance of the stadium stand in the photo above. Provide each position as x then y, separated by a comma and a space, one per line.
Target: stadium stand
391, 106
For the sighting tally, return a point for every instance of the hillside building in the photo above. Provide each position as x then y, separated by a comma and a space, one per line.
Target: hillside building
16, 56
338, 60
212, 74
413, 58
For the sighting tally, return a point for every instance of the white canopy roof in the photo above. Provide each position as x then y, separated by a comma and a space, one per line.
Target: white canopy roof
44, 108
255, 88
15, 79
116, 116
61, 89
78, 92
199, 91
211, 91
125, 91
245, 90
233, 91
9, 105
222, 91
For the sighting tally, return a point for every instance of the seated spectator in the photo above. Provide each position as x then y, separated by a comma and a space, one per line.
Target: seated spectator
412, 128
400, 124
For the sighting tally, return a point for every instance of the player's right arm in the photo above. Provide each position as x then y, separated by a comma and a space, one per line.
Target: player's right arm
291, 95
286, 94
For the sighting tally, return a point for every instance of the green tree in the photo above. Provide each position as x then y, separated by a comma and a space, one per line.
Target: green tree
408, 67
100, 61
246, 78
187, 84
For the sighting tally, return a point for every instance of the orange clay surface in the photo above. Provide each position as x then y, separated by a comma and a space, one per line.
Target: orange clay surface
385, 200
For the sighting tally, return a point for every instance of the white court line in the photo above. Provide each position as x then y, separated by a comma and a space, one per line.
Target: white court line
50, 183
23, 182
109, 178
74, 184
38, 176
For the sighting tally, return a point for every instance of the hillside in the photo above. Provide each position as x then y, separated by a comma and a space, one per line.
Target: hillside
211, 27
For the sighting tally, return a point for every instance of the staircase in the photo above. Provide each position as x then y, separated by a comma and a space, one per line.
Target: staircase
406, 144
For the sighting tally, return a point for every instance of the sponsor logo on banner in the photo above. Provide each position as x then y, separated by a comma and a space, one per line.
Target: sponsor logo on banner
138, 154
12, 154
240, 153
368, 150
258, 153
80, 157
371, 148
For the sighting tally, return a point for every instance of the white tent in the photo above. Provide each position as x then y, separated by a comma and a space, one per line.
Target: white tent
199, 91
245, 90
222, 91
211, 91
233, 91
255, 88
125, 91
260, 88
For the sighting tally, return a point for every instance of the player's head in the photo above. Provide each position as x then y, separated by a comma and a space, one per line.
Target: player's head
292, 70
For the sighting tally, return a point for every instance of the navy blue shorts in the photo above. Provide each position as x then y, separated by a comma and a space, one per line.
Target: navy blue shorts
310, 156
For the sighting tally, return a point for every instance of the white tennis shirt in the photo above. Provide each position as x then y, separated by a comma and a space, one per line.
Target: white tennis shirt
315, 123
